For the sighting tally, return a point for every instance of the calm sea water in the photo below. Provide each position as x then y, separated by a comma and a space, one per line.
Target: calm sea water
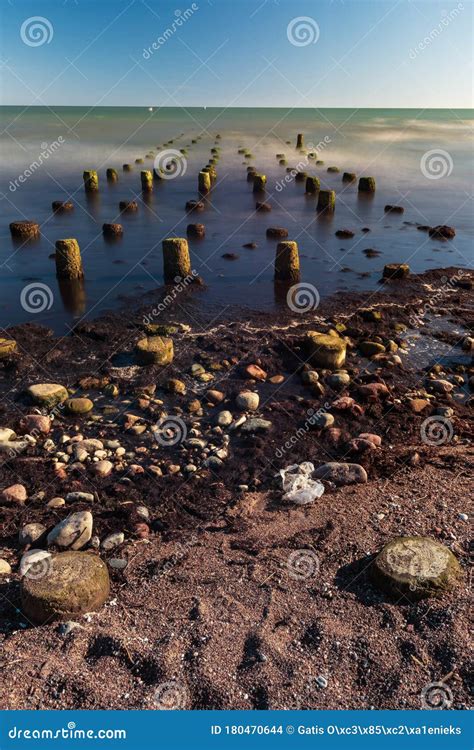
388, 144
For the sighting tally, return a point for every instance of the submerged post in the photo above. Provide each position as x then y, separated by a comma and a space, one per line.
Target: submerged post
326, 200
204, 182
300, 140
287, 262
91, 181
176, 260
68, 260
146, 178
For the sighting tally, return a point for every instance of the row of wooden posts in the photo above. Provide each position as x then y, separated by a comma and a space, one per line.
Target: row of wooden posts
176, 260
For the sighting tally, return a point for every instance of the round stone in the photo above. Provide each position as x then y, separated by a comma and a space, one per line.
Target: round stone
248, 401
48, 394
7, 347
73, 583
79, 405
5, 567
416, 567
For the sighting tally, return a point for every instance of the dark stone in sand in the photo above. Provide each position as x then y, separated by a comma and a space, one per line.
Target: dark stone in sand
112, 230
262, 206
345, 234
62, 206
25, 229
393, 209
196, 230
194, 205
464, 283
128, 206
230, 256
442, 232
275, 233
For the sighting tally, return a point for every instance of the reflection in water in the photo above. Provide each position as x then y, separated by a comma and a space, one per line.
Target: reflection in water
73, 295
282, 293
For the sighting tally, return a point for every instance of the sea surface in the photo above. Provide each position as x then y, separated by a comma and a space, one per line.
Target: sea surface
421, 159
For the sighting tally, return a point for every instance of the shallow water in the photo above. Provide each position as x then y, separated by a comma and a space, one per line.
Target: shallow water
388, 144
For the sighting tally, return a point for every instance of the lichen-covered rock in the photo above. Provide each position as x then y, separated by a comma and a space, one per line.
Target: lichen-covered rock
7, 348
73, 584
325, 350
415, 567
47, 394
154, 350
396, 271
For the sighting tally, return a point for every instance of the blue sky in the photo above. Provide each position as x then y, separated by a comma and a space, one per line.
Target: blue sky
357, 53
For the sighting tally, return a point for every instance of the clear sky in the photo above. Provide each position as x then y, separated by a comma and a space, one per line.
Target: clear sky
345, 53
